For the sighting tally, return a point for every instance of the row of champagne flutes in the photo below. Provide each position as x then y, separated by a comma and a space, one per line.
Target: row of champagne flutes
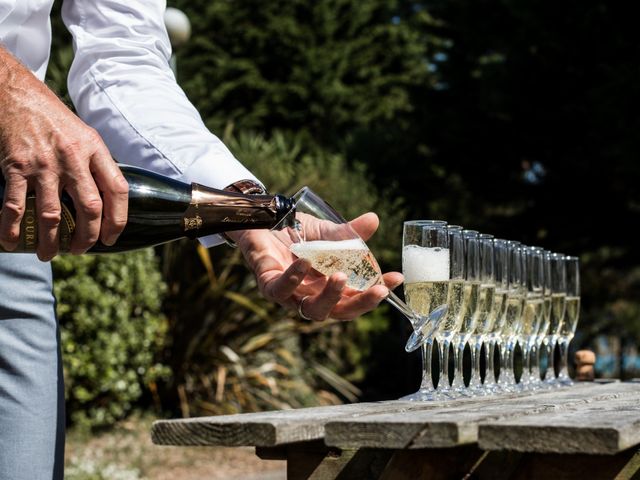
498, 293
460, 286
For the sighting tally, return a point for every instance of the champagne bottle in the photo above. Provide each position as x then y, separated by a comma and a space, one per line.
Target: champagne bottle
161, 210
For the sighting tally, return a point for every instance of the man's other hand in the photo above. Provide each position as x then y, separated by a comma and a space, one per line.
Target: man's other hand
46, 149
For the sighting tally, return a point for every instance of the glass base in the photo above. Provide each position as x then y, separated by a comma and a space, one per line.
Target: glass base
564, 380
462, 392
506, 383
424, 395
483, 390
552, 383
424, 328
535, 385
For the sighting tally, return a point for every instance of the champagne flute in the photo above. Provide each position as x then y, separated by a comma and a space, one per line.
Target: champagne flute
545, 323
333, 246
533, 314
469, 310
558, 309
442, 314
572, 313
425, 266
513, 315
499, 312
501, 271
487, 306
450, 324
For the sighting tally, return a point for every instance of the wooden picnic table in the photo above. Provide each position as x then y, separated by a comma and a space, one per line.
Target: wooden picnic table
586, 431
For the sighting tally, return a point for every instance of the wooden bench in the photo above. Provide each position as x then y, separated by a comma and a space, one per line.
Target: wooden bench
587, 431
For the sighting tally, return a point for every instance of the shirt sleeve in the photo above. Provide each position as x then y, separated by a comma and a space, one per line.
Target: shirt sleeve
121, 83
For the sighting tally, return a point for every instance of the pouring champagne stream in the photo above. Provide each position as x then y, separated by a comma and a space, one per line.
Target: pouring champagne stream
342, 250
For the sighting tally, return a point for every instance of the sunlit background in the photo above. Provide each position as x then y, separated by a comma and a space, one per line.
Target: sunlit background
518, 119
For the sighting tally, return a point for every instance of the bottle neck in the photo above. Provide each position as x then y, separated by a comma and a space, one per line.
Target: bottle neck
214, 211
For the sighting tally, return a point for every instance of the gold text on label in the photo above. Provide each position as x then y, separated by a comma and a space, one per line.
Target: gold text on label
192, 223
30, 225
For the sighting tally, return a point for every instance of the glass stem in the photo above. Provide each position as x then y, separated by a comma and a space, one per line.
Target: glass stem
525, 379
507, 377
490, 374
394, 300
443, 380
458, 376
475, 380
563, 343
427, 379
535, 361
551, 364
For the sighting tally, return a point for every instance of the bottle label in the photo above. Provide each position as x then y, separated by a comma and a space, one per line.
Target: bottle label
192, 223
29, 228
217, 211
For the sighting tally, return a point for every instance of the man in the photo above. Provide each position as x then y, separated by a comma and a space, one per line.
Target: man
121, 86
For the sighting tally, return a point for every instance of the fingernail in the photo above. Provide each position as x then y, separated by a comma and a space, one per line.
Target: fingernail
8, 247
110, 240
340, 282
302, 267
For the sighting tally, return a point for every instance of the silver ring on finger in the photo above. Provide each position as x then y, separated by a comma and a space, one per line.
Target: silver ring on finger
300, 305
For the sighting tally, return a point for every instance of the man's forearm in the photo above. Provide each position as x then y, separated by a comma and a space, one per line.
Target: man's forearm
45, 148
8, 64
3, 66
16, 82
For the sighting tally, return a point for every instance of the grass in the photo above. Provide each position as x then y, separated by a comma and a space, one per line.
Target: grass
126, 453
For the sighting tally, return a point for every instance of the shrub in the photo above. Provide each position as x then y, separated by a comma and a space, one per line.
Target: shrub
112, 327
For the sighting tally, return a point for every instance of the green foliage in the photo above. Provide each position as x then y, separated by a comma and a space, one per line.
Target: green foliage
234, 351
531, 126
511, 118
286, 162
61, 55
324, 67
112, 328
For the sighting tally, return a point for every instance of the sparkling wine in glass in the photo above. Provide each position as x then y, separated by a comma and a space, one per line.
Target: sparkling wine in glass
543, 331
516, 298
558, 310
470, 309
533, 315
322, 236
498, 313
572, 313
488, 308
425, 266
455, 297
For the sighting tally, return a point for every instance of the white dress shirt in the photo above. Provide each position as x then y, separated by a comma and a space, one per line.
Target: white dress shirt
122, 85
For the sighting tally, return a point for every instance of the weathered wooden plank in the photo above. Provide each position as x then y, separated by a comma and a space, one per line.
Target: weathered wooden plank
598, 428
265, 429
288, 426
457, 423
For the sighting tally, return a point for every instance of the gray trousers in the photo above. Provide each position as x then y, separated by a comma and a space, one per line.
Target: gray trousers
31, 381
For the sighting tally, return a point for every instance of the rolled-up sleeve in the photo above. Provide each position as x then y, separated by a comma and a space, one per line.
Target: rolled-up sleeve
121, 84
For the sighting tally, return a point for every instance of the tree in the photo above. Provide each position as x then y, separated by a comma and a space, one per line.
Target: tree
531, 127
324, 67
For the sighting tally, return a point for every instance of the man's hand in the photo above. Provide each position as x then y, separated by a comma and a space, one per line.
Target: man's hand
45, 148
286, 280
